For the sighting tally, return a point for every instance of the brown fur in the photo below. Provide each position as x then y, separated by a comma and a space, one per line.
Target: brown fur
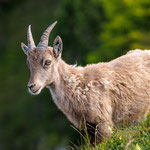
102, 95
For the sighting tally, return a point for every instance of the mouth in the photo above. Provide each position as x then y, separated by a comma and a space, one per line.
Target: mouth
35, 92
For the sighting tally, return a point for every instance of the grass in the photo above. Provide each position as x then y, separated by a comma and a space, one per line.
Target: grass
134, 137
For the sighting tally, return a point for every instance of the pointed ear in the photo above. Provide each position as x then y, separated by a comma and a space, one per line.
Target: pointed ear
24, 48
57, 47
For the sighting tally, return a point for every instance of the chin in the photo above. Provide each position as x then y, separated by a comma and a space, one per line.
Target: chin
36, 92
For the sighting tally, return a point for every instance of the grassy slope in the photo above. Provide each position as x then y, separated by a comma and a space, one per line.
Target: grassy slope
135, 137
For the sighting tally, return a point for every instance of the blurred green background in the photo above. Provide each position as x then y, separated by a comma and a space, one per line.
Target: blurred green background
91, 30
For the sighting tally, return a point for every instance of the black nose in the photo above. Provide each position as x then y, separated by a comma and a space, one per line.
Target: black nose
30, 86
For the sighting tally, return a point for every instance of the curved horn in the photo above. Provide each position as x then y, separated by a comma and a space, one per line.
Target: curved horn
43, 44
31, 44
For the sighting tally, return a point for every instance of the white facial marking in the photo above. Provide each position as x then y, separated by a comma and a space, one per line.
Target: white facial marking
35, 93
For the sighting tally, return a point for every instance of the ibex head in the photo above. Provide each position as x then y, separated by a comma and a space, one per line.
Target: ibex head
42, 60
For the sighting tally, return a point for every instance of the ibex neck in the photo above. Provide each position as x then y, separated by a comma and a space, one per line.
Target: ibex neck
64, 69
63, 89
63, 73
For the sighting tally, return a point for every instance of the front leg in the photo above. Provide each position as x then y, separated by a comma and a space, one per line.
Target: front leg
98, 133
103, 131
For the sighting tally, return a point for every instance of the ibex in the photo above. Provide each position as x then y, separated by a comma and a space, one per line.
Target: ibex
97, 96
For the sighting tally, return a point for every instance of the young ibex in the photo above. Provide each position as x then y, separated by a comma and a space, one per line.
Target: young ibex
101, 95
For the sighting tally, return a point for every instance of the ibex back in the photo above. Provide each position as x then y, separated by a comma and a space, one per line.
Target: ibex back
98, 96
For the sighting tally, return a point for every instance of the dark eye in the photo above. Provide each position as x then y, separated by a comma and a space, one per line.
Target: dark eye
47, 63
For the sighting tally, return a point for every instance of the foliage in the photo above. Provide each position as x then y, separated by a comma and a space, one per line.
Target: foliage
80, 28
135, 137
126, 28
